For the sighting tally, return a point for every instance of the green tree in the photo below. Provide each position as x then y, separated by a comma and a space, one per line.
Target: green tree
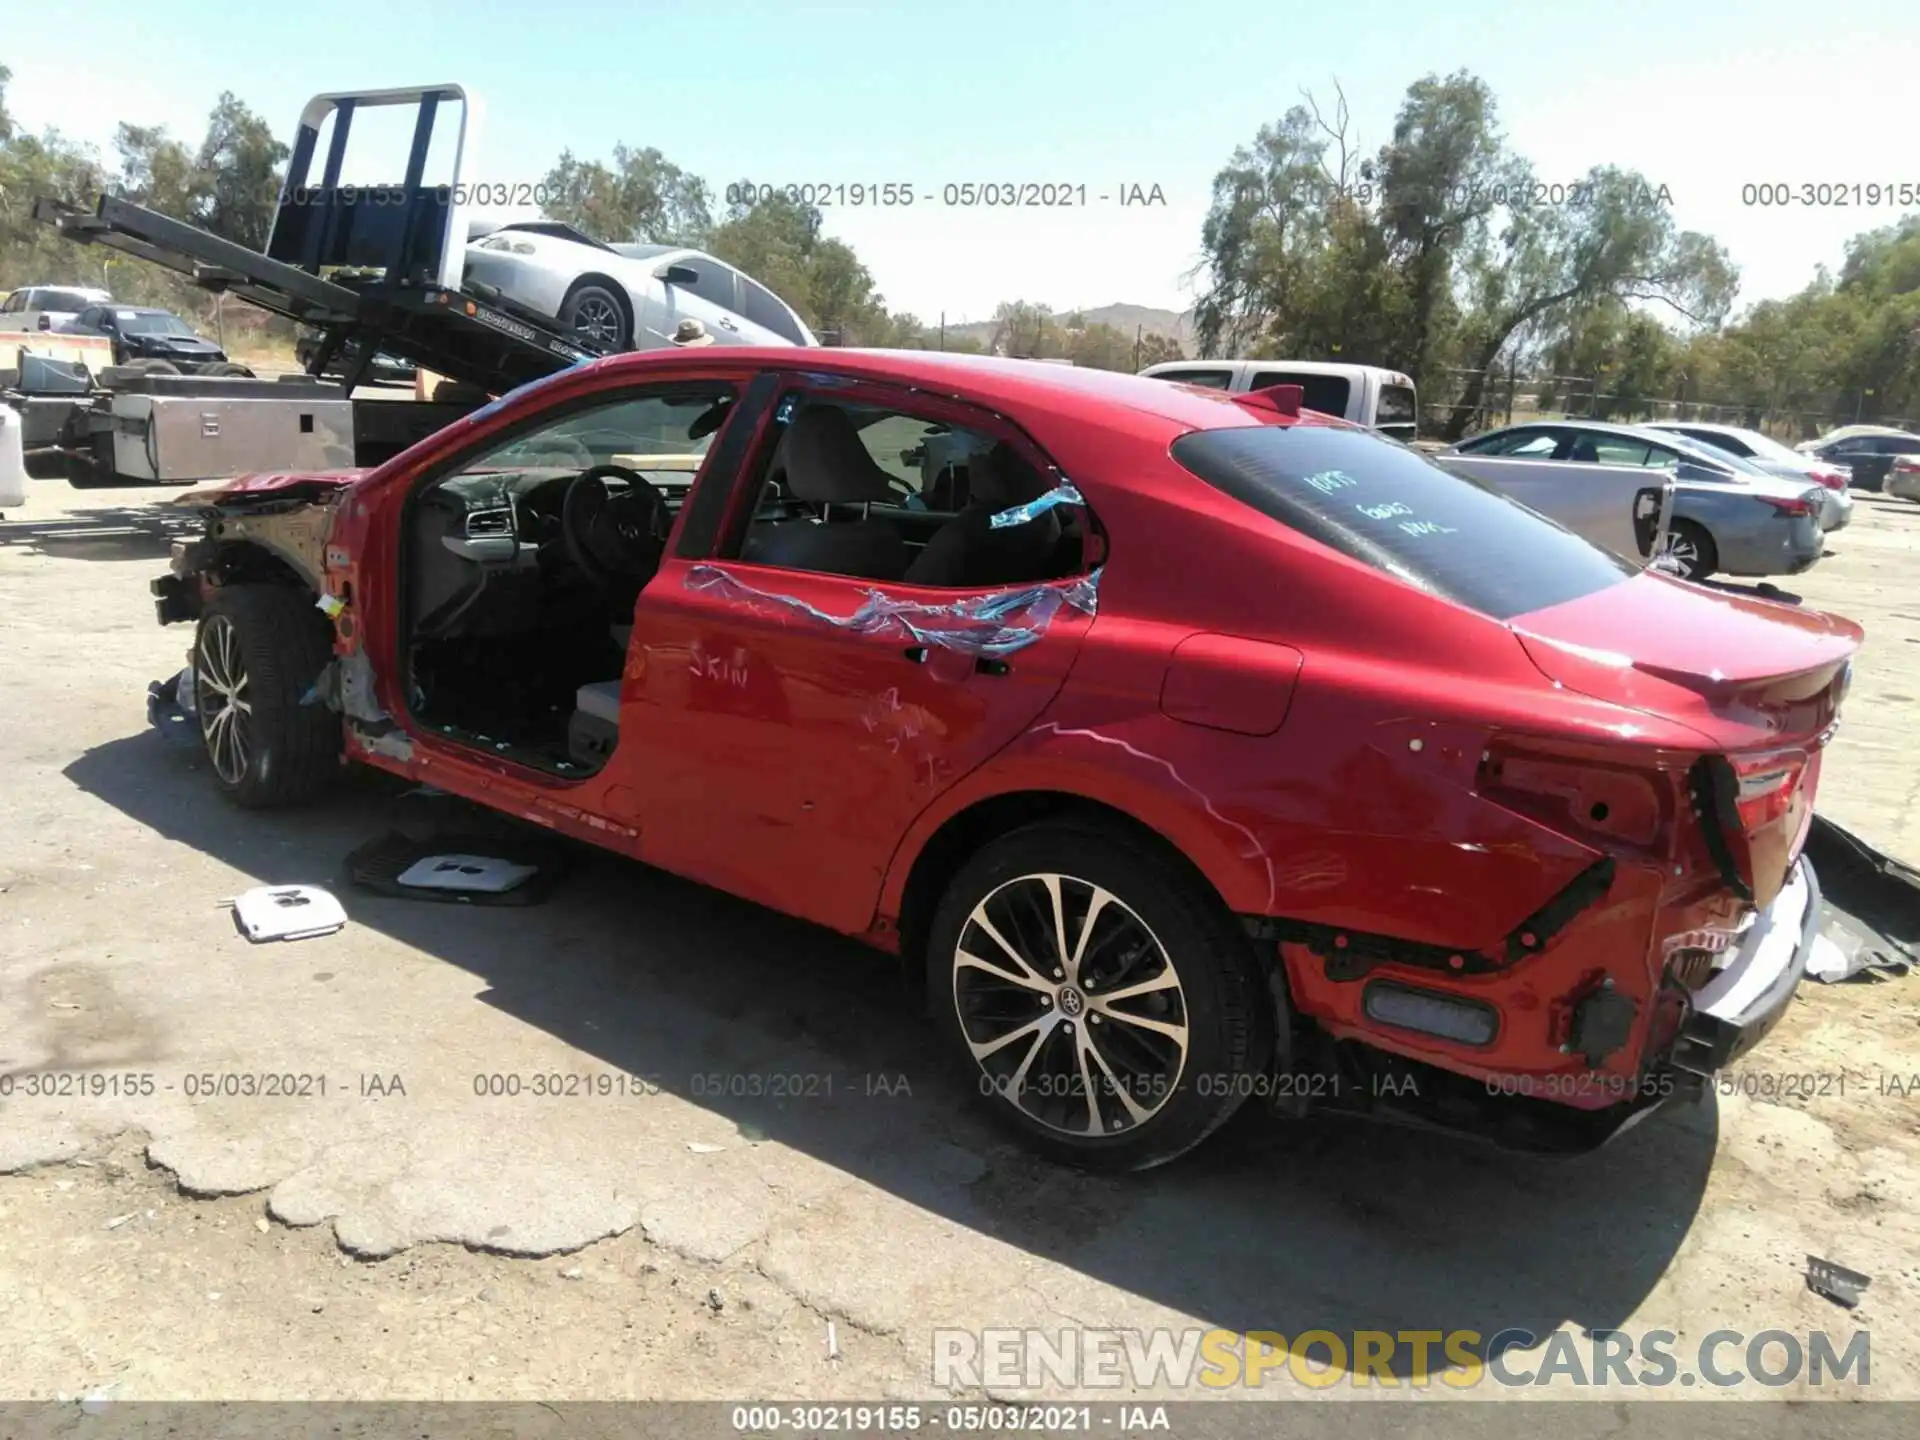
1550, 262
239, 174
642, 197
1439, 177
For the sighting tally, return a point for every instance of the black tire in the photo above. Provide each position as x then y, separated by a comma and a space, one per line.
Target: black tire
227, 367
1158, 919
151, 366
1691, 549
287, 751
594, 314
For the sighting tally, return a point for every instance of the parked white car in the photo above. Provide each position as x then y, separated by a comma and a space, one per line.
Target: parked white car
48, 307
628, 297
1382, 400
1836, 501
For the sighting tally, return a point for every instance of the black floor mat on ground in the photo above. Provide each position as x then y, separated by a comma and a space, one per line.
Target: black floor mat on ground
379, 864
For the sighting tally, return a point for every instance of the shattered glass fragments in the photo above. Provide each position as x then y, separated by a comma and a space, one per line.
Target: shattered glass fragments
1061, 494
996, 624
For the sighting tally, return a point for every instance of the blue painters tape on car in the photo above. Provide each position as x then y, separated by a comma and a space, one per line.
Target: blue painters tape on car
993, 625
1061, 494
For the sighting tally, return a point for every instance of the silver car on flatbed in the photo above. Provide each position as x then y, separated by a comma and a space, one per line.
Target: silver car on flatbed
1729, 517
627, 297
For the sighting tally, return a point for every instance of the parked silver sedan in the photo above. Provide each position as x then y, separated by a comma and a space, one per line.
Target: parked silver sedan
1776, 458
1729, 517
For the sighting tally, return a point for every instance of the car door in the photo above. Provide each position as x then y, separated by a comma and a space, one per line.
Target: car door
1854, 455
1875, 462
767, 317
811, 716
711, 295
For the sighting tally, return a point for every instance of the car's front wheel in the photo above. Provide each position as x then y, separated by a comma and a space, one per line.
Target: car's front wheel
595, 315
256, 654
1099, 1000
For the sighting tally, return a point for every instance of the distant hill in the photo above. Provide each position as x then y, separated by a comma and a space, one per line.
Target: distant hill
1123, 317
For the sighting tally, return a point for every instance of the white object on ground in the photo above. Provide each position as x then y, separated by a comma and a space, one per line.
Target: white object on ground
183, 692
287, 912
1826, 959
484, 874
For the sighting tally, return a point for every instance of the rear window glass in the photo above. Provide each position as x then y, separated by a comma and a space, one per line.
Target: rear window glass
1397, 406
1390, 507
59, 300
1325, 393
1212, 379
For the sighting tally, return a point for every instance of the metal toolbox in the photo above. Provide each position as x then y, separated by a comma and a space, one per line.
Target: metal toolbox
158, 437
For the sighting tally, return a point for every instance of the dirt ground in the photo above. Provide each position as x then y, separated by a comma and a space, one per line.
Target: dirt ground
793, 1197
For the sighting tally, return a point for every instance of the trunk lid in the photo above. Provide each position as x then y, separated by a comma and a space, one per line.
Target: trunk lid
1761, 682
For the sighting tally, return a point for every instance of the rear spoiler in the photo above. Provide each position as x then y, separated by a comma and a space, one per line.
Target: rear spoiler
1279, 399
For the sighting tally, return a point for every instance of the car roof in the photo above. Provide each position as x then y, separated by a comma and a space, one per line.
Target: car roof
1079, 392
1713, 425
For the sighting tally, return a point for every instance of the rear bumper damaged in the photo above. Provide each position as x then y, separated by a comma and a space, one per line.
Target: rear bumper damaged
1369, 1067
1734, 1011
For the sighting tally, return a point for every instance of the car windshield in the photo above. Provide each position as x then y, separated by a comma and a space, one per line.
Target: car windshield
1391, 507
153, 322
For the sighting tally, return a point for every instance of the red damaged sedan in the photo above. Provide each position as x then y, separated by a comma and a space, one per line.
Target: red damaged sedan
1199, 748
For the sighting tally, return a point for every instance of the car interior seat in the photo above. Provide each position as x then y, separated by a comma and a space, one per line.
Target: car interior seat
827, 466
968, 552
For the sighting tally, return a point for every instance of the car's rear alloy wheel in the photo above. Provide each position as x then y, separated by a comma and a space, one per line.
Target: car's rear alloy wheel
1069, 1004
1099, 1002
1688, 551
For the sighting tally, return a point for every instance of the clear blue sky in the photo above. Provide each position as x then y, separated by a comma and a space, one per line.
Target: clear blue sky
1703, 96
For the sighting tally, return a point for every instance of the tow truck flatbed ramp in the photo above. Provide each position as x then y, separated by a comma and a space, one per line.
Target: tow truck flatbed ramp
376, 267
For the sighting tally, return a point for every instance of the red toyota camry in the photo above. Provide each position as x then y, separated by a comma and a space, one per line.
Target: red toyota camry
1199, 748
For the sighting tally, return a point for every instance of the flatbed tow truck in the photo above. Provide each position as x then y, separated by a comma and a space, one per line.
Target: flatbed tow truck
374, 269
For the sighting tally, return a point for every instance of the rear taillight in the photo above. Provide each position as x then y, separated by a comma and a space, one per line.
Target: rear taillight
1753, 810
1909, 463
1765, 786
1832, 479
1791, 505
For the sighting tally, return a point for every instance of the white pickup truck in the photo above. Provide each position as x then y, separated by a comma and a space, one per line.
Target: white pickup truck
1382, 400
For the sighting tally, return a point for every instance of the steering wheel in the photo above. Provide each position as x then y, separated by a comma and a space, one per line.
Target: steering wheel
614, 536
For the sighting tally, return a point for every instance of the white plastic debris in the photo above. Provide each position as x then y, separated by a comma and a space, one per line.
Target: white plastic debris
183, 692
482, 874
287, 912
700, 1147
